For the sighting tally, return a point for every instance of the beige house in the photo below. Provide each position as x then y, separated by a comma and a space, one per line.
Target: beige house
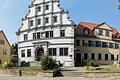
99, 43
4, 49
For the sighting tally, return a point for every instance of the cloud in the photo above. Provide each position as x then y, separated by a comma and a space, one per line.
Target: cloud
4, 6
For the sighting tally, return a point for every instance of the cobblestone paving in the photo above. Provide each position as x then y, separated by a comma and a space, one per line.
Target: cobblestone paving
7, 77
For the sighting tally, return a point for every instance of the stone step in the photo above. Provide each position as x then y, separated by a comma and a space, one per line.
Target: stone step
71, 74
34, 63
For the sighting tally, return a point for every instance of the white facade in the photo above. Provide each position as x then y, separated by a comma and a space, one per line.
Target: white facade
35, 22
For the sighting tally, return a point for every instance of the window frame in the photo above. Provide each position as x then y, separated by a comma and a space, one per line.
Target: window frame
28, 52
38, 8
92, 56
34, 36
107, 33
4, 51
112, 56
99, 56
22, 54
62, 33
25, 37
100, 32
46, 7
63, 51
106, 56
86, 56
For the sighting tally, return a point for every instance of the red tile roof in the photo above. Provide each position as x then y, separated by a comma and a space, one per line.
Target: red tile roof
91, 27
83, 25
114, 31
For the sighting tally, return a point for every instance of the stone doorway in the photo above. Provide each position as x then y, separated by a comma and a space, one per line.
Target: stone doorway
78, 61
39, 54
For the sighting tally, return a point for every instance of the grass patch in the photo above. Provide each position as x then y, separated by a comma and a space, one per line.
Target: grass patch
32, 68
27, 68
103, 68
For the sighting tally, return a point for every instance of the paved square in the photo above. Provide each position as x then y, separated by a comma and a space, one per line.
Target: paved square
7, 77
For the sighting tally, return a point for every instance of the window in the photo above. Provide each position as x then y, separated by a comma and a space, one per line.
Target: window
51, 33
91, 43
46, 7
86, 31
92, 56
0, 61
46, 20
78, 42
31, 23
47, 34
106, 56
112, 56
63, 51
38, 21
100, 32
52, 51
98, 43
107, 33
116, 46
99, 56
38, 9
23, 53
34, 35
85, 55
2, 42
85, 42
111, 45
55, 19
62, 33
4, 52
38, 35
105, 44
29, 53
25, 37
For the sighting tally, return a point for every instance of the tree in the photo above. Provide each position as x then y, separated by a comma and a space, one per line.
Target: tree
14, 54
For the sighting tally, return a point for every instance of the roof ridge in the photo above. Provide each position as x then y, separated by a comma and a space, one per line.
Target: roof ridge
89, 23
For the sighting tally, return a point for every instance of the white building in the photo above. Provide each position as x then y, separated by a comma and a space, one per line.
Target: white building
46, 30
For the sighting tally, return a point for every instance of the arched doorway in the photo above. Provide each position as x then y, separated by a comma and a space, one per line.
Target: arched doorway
39, 54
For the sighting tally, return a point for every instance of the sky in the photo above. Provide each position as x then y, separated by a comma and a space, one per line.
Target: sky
93, 11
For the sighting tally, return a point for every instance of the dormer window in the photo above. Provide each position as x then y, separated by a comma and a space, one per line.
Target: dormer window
86, 31
100, 32
117, 36
46, 7
107, 33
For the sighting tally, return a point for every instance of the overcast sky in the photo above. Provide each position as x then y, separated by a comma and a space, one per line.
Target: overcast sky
93, 11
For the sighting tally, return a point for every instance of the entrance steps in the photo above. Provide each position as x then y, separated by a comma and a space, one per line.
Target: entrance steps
70, 74
35, 63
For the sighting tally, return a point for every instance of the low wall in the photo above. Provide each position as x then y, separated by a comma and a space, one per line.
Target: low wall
30, 73
102, 74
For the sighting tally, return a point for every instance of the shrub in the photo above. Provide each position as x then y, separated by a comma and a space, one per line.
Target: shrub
91, 63
47, 63
7, 65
